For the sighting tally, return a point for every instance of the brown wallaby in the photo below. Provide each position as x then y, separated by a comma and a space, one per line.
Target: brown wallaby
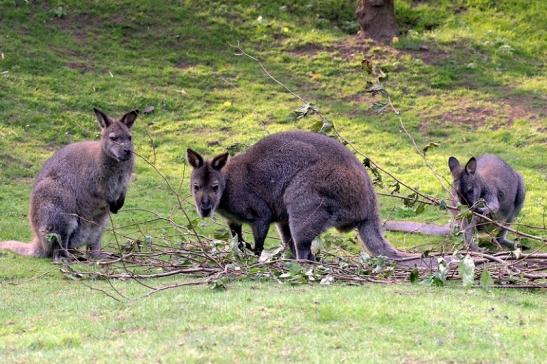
304, 182
76, 188
491, 179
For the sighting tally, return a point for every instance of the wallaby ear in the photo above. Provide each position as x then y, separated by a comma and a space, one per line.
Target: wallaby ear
219, 161
471, 166
103, 119
454, 165
129, 118
195, 160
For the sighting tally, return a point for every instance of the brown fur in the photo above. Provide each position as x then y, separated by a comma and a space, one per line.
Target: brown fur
76, 189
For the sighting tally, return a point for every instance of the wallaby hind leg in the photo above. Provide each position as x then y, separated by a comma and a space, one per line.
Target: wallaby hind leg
306, 227
285, 233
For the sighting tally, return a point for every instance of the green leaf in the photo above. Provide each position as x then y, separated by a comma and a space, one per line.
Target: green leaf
420, 208
294, 268
443, 205
486, 280
429, 146
396, 187
466, 269
305, 110
414, 275
221, 234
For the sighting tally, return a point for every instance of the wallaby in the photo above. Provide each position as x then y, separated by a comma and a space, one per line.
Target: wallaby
489, 178
76, 188
304, 182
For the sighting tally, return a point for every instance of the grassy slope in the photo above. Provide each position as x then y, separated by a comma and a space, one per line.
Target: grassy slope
480, 88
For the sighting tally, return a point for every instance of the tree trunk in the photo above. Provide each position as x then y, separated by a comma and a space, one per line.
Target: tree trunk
377, 19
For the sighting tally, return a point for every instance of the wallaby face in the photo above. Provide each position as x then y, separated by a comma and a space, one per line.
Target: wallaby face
207, 182
467, 184
116, 135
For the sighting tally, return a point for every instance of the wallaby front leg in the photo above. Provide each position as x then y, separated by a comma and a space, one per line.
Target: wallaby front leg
237, 230
469, 228
115, 206
260, 231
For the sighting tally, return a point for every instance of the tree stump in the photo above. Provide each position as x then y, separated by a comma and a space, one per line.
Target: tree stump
377, 19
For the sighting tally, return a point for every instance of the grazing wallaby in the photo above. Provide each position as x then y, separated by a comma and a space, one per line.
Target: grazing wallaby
75, 190
302, 181
491, 179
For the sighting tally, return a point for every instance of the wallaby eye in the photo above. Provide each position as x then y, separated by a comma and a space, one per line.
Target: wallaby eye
196, 187
113, 138
215, 188
130, 137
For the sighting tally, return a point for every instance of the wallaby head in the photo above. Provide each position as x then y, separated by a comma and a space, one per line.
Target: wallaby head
116, 134
207, 182
467, 183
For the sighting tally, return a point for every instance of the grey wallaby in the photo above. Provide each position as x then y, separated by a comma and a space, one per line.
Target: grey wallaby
76, 189
304, 182
491, 179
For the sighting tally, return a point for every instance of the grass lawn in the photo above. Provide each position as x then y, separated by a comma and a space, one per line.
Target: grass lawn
468, 75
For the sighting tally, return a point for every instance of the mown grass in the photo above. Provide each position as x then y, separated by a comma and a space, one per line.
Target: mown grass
479, 87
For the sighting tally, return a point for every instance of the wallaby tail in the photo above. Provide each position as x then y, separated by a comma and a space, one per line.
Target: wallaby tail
28, 249
417, 227
370, 233
519, 198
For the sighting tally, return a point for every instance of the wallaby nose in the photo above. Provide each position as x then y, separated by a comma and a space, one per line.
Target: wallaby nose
206, 204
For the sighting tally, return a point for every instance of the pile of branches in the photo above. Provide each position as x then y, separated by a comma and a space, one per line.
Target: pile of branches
216, 263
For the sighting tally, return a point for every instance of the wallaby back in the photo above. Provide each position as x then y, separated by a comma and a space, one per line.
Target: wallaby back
304, 182
76, 188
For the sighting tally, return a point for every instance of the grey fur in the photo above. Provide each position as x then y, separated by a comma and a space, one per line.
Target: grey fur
490, 178
304, 182
75, 190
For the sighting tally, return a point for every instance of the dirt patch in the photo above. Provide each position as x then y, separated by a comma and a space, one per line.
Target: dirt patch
470, 116
80, 66
307, 49
184, 64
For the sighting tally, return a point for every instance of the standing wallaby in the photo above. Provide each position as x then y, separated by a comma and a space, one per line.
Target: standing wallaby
75, 190
491, 179
304, 182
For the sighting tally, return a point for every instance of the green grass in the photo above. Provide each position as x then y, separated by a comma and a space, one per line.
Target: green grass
480, 87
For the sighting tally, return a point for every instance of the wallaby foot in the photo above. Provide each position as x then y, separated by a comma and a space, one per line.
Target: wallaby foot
506, 243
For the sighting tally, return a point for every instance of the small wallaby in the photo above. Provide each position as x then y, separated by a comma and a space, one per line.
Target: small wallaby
304, 182
76, 188
489, 178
